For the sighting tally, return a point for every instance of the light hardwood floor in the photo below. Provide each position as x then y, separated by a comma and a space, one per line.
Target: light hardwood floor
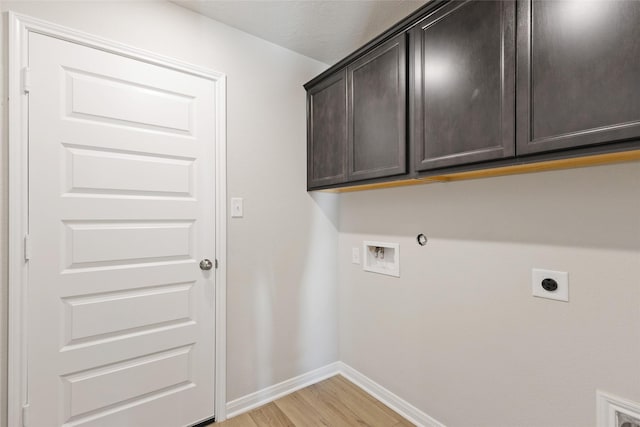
333, 402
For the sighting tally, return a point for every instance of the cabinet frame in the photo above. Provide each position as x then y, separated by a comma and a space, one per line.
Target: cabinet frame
607, 144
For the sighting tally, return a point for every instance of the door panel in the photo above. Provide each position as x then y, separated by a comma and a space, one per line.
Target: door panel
121, 318
138, 309
157, 174
578, 68
92, 244
99, 97
108, 385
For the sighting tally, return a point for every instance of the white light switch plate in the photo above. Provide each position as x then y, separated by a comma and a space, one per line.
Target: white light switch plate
355, 255
561, 277
236, 207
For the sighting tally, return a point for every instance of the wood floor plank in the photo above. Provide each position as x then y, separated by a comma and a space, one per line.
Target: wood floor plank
331, 408
335, 402
300, 412
361, 411
364, 405
270, 415
342, 380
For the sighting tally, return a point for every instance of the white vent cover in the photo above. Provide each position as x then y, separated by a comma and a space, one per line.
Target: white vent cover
614, 411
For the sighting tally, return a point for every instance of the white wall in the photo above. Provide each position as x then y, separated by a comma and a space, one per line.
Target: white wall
459, 334
282, 316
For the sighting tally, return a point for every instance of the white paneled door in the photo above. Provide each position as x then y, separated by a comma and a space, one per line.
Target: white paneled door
120, 316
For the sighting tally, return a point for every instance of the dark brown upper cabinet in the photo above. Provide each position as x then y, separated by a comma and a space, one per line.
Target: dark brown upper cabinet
327, 131
578, 74
480, 84
377, 112
462, 90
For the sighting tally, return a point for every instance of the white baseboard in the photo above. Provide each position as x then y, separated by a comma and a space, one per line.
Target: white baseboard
401, 406
269, 394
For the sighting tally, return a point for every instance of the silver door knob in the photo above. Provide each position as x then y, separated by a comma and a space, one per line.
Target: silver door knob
206, 264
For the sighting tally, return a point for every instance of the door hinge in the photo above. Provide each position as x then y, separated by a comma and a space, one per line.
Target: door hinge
27, 248
25, 415
26, 79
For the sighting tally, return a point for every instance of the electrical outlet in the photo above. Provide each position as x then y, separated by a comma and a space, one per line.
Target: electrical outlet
550, 284
355, 255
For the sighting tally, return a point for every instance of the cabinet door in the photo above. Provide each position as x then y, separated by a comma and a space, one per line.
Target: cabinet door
327, 131
578, 73
462, 91
377, 107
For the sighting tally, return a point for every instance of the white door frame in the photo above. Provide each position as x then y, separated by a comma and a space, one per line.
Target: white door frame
19, 28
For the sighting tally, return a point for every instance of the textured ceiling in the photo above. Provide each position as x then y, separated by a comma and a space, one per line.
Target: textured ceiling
326, 30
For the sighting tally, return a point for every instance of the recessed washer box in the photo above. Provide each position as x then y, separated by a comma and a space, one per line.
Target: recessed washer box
381, 257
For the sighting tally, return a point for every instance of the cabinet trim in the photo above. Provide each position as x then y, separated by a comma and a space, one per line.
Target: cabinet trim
533, 167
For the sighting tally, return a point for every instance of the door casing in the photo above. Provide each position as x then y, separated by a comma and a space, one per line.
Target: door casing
19, 28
